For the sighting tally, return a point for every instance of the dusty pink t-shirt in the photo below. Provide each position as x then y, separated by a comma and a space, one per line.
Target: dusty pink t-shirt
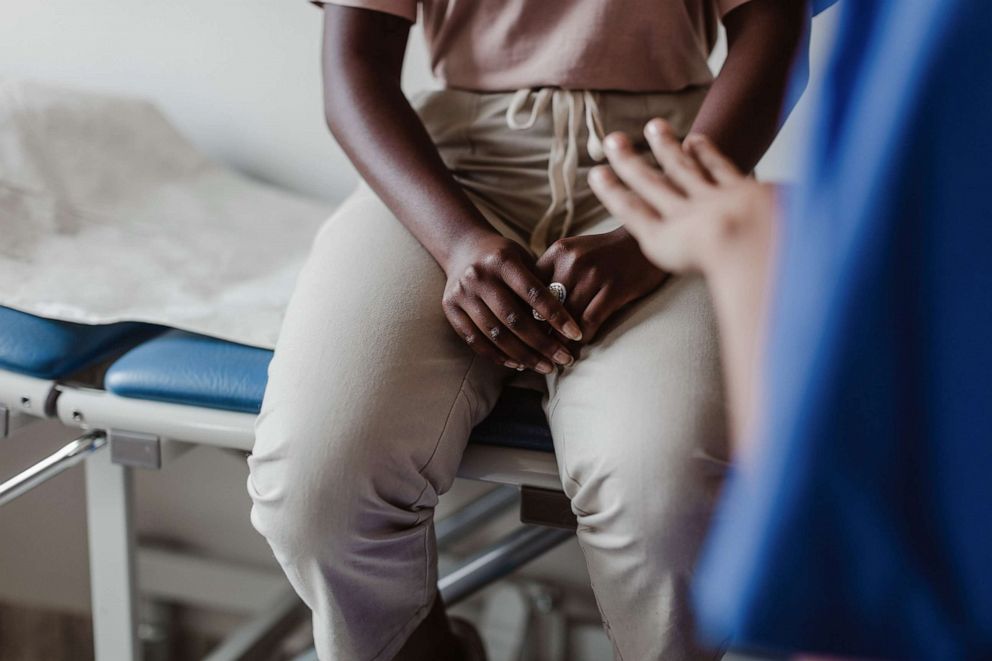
630, 45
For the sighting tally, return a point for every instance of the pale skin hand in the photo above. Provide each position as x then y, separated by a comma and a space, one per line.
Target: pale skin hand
700, 214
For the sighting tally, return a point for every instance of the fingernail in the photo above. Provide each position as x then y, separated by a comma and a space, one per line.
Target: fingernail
658, 127
544, 367
572, 331
512, 365
615, 141
598, 173
562, 357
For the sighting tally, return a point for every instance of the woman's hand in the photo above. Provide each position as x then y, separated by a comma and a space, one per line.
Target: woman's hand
601, 273
491, 292
695, 213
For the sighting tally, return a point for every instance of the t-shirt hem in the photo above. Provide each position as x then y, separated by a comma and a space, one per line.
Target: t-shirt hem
407, 10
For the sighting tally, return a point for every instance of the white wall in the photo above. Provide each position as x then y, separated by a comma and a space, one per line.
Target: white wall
239, 77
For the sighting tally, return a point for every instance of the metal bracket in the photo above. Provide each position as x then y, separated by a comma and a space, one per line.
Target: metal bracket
135, 449
11, 420
545, 507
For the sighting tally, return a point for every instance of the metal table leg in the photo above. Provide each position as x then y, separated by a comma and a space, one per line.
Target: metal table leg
113, 588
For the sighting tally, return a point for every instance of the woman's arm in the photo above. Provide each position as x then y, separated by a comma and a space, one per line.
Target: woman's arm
742, 109
381, 133
740, 114
491, 282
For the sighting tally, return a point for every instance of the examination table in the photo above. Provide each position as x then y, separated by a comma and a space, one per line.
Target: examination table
142, 394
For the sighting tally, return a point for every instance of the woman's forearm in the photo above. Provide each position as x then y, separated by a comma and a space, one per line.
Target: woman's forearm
741, 112
383, 136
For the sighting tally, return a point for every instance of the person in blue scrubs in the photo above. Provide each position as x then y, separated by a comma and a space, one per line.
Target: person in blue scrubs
856, 313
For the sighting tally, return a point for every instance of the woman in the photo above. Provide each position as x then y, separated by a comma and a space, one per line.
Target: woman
474, 202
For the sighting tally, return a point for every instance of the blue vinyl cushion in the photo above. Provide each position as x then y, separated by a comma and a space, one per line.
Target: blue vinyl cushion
517, 421
183, 368
49, 349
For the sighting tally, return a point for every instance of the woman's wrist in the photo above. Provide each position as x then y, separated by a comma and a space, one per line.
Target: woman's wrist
466, 243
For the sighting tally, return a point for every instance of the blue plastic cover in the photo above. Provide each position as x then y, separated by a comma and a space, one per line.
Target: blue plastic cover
863, 526
517, 421
184, 368
50, 349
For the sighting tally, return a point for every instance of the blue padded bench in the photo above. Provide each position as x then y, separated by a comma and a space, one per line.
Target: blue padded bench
49, 349
167, 389
183, 368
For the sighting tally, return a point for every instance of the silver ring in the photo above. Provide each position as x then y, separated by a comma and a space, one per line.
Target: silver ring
560, 293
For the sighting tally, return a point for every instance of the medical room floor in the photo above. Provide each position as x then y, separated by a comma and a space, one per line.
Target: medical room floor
203, 569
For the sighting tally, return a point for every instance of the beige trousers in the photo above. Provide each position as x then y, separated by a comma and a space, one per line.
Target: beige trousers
372, 396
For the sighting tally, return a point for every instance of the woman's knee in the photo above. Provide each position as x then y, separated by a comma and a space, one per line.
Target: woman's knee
318, 482
650, 475
289, 505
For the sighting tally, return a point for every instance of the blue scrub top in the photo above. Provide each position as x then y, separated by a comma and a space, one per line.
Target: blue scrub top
864, 527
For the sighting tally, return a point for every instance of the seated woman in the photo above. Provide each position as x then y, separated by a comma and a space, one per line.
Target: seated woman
857, 523
415, 307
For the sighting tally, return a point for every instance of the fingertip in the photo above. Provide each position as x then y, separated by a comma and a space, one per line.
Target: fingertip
601, 174
658, 127
616, 141
692, 142
572, 331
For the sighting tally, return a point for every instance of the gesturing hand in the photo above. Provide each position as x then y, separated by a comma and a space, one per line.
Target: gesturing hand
601, 273
690, 214
492, 289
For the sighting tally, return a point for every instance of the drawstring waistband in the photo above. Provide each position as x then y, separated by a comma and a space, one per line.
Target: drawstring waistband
567, 108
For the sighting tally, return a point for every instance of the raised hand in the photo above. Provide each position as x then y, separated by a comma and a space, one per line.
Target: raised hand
689, 212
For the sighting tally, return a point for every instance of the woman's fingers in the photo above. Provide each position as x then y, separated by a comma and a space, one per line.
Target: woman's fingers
641, 177
535, 293
720, 168
680, 167
493, 330
600, 308
581, 283
475, 339
521, 328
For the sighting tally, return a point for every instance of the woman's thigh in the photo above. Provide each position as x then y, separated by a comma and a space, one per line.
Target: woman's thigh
369, 388
641, 413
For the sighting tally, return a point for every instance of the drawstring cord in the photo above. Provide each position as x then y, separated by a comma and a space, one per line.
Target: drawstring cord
567, 110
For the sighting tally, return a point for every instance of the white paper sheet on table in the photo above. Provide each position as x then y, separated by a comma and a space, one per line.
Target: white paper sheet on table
108, 214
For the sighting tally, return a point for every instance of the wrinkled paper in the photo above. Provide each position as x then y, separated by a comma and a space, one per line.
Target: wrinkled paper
108, 214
